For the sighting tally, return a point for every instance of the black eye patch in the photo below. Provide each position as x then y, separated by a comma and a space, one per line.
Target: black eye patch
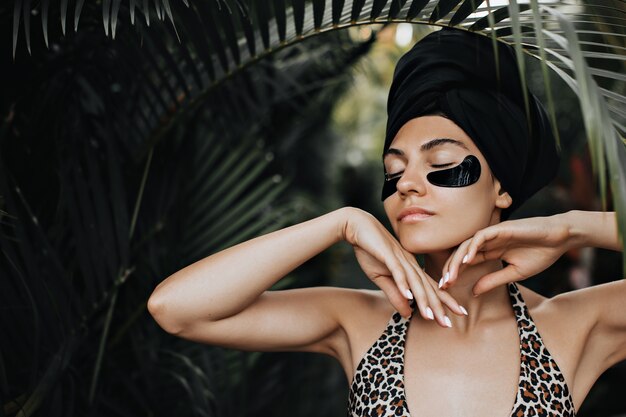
462, 175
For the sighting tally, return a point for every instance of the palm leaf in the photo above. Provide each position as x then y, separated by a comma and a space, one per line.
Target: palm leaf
575, 43
102, 284
213, 68
118, 208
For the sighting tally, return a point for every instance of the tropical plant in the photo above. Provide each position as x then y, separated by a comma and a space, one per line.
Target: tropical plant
106, 207
576, 40
96, 212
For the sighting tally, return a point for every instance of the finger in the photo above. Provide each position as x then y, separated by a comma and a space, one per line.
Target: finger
398, 271
433, 294
419, 292
489, 255
453, 270
479, 240
426, 299
447, 272
449, 301
390, 288
433, 299
437, 298
495, 279
477, 258
445, 269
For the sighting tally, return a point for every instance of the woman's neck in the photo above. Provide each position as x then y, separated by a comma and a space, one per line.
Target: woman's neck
488, 306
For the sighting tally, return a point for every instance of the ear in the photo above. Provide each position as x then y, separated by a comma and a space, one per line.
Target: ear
503, 199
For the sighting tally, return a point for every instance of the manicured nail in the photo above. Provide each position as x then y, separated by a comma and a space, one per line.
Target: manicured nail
465, 258
441, 282
463, 310
447, 320
446, 278
409, 295
429, 313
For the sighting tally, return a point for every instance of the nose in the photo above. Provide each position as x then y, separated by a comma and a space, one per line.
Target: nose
413, 180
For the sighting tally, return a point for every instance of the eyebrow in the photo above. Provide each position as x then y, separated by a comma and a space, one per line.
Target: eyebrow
428, 146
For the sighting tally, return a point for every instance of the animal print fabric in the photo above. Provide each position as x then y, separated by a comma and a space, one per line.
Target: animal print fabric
377, 388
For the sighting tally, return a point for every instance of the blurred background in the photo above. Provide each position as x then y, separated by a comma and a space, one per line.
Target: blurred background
124, 160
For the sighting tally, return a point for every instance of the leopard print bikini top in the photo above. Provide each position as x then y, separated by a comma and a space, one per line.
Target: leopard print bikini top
377, 387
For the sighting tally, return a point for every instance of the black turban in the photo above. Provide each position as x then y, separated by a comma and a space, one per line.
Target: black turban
454, 71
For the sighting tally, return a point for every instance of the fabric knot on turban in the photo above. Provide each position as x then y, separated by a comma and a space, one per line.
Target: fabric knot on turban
454, 71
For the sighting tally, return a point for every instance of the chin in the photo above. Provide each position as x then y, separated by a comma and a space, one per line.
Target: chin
427, 246
427, 237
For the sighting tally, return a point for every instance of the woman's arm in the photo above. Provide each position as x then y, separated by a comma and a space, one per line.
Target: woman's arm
604, 303
593, 228
531, 245
223, 299
227, 282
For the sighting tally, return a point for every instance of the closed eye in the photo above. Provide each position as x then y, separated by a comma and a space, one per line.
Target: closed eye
389, 177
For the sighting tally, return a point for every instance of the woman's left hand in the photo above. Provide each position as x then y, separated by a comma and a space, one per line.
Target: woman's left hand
528, 246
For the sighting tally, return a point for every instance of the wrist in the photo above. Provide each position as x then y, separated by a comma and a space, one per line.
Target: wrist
576, 233
342, 216
596, 229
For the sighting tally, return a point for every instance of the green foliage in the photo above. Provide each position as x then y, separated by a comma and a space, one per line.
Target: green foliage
217, 39
100, 203
134, 145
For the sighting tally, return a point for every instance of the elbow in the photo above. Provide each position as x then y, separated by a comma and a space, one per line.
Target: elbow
161, 311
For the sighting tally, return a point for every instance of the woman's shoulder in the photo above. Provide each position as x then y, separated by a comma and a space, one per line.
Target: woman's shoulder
551, 313
532, 299
555, 309
363, 315
557, 323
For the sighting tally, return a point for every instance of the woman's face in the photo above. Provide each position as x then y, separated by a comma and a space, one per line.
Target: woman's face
458, 212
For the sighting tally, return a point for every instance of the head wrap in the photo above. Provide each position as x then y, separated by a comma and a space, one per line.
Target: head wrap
454, 71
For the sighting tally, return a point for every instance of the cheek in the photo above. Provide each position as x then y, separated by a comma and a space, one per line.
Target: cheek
392, 220
466, 209
470, 200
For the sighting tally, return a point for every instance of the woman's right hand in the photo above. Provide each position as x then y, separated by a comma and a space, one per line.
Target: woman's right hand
394, 269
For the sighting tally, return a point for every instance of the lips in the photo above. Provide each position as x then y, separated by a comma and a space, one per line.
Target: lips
414, 210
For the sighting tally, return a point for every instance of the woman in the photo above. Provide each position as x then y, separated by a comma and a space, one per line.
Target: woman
464, 156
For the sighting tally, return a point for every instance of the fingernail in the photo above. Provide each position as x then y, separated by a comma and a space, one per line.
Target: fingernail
465, 258
429, 313
447, 277
409, 295
447, 320
441, 282
463, 310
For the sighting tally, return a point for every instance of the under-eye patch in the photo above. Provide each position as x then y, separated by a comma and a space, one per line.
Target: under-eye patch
462, 175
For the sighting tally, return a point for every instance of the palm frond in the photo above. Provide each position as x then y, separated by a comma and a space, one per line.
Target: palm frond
238, 33
94, 225
165, 89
